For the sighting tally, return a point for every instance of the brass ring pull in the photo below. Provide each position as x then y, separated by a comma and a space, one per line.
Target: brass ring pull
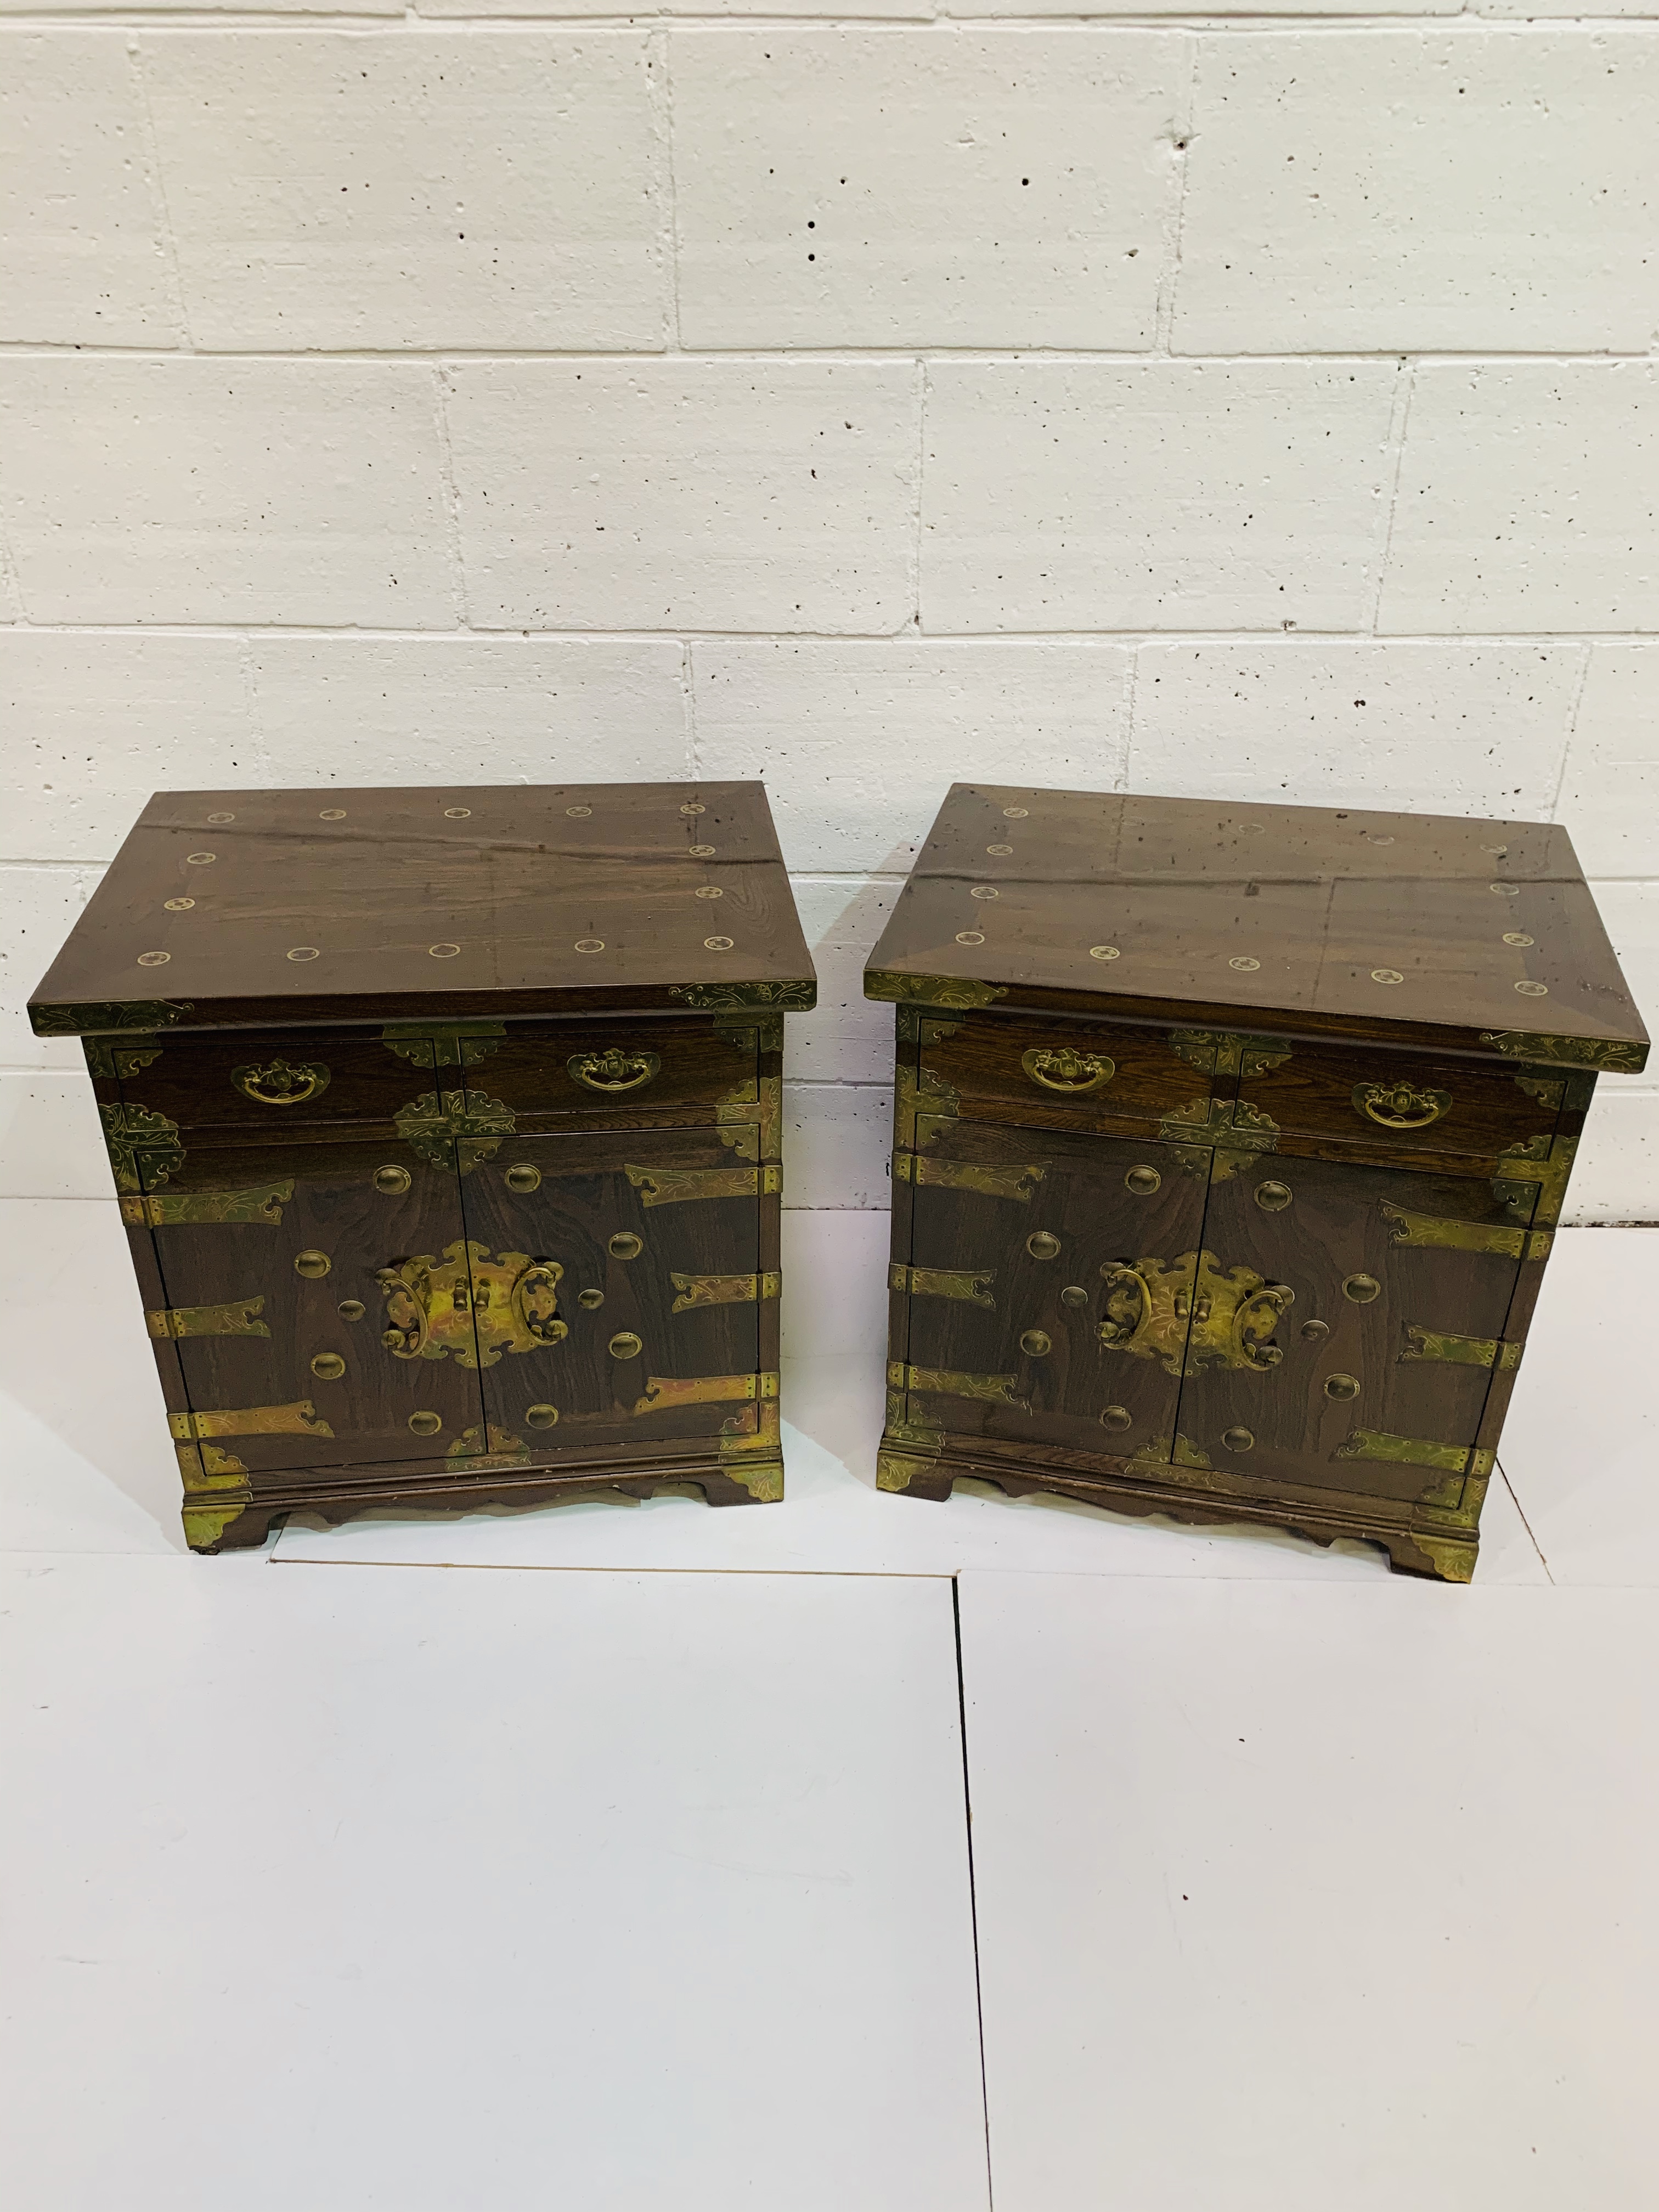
280, 1082
612, 1071
1400, 1105
1063, 1069
536, 1301
1128, 1305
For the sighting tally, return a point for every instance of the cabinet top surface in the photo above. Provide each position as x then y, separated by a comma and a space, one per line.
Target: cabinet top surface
239, 907
1418, 928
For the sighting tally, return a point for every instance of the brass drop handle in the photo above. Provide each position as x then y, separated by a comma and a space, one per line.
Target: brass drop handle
1400, 1105
1063, 1069
280, 1083
612, 1071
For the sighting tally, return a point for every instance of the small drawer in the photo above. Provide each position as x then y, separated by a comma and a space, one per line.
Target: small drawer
1070, 1074
615, 1068
1405, 1101
239, 1085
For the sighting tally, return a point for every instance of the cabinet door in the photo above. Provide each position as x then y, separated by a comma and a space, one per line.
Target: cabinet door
1391, 1291
1023, 1298
636, 1256
270, 1260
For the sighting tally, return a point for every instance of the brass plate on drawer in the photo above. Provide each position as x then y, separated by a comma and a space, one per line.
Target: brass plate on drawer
174, 1209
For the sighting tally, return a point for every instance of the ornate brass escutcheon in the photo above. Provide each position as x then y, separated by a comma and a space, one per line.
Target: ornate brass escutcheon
1067, 1070
281, 1082
615, 1070
1189, 1314
471, 1306
433, 1125
1400, 1105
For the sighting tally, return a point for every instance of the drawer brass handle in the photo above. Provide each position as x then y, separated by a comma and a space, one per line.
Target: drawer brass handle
1063, 1069
1400, 1105
612, 1071
281, 1082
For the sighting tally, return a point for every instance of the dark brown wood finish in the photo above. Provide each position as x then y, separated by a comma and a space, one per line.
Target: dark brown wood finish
514, 1238
1279, 1270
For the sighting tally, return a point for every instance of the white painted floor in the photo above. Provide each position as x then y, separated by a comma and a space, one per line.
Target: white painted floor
339, 1880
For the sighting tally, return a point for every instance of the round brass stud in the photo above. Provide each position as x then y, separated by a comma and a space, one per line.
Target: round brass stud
1362, 1289
1505, 890
442, 952
215, 819
693, 806
718, 944
1015, 813
1372, 840
391, 1181
1313, 1330
1342, 1386
625, 1245
590, 945
178, 906
1534, 990
1036, 1342
458, 814
541, 1417
592, 1299
1142, 1181
580, 813
313, 1265
1042, 1246
1511, 936
333, 814
328, 1366
701, 852
303, 952
708, 890
153, 959
1386, 975
1243, 960
1000, 852
522, 1177
625, 1345
970, 936
1238, 1440
983, 892
1102, 952
350, 1309
1117, 1417
425, 1425
1074, 1295
1273, 1197
201, 860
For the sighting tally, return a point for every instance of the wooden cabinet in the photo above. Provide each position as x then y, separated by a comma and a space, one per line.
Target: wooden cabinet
1211, 1209
477, 1218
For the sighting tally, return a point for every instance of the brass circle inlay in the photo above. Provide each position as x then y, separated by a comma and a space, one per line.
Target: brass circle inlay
200, 859
1103, 952
350, 1309
592, 1299
625, 1245
458, 814
1117, 1417
1511, 936
590, 945
970, 936
1042, 1246
1386, 975
303, 952
178, 906
153, 959
333, 814
708, 890
1313, 1330
1034, 1342
522, 1177
391, 1181
1534, 990
1243, 960
625, 1345
1362, 1289
1015, 813
1074, 1295
1273, 1197
1238, 1440
541, 1417
1142, 1180
1342, 1386
1001, 852
328, 1366
442, 952
581, 813
424, 1424
701, 852
1372, 839
693, 806
718, 944
983, 890
1505, 890
312, 1265
215, 819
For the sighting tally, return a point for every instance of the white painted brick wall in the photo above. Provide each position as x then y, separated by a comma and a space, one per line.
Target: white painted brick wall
1219, 401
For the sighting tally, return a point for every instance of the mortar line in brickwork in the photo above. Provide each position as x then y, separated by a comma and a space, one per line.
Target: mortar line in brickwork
1400, 405
1125, 640
1572, 734
1291, 25
830, 356
452, 545
155, 188
1175, 217
669, 220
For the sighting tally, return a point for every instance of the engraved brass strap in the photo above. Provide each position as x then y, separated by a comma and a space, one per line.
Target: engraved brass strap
613, 1070
1432, 1229
1400, 1105
205, 1524
950, 1382
1533, 1188
1567, 1051
970, 1282
663, 1392
300, 1419
750, 1118
741, 998
433, 1124
1502, 1352
920, 1098
677, 1186
1405, 1451
724, 1290
486, 1446
240, 1317
959, 990
204, 1467
1068, 1071
179, 1209
968, 1175
1225, 1052
281, 1082
129, 1131
472, 1305
442, 1044
134, 1014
